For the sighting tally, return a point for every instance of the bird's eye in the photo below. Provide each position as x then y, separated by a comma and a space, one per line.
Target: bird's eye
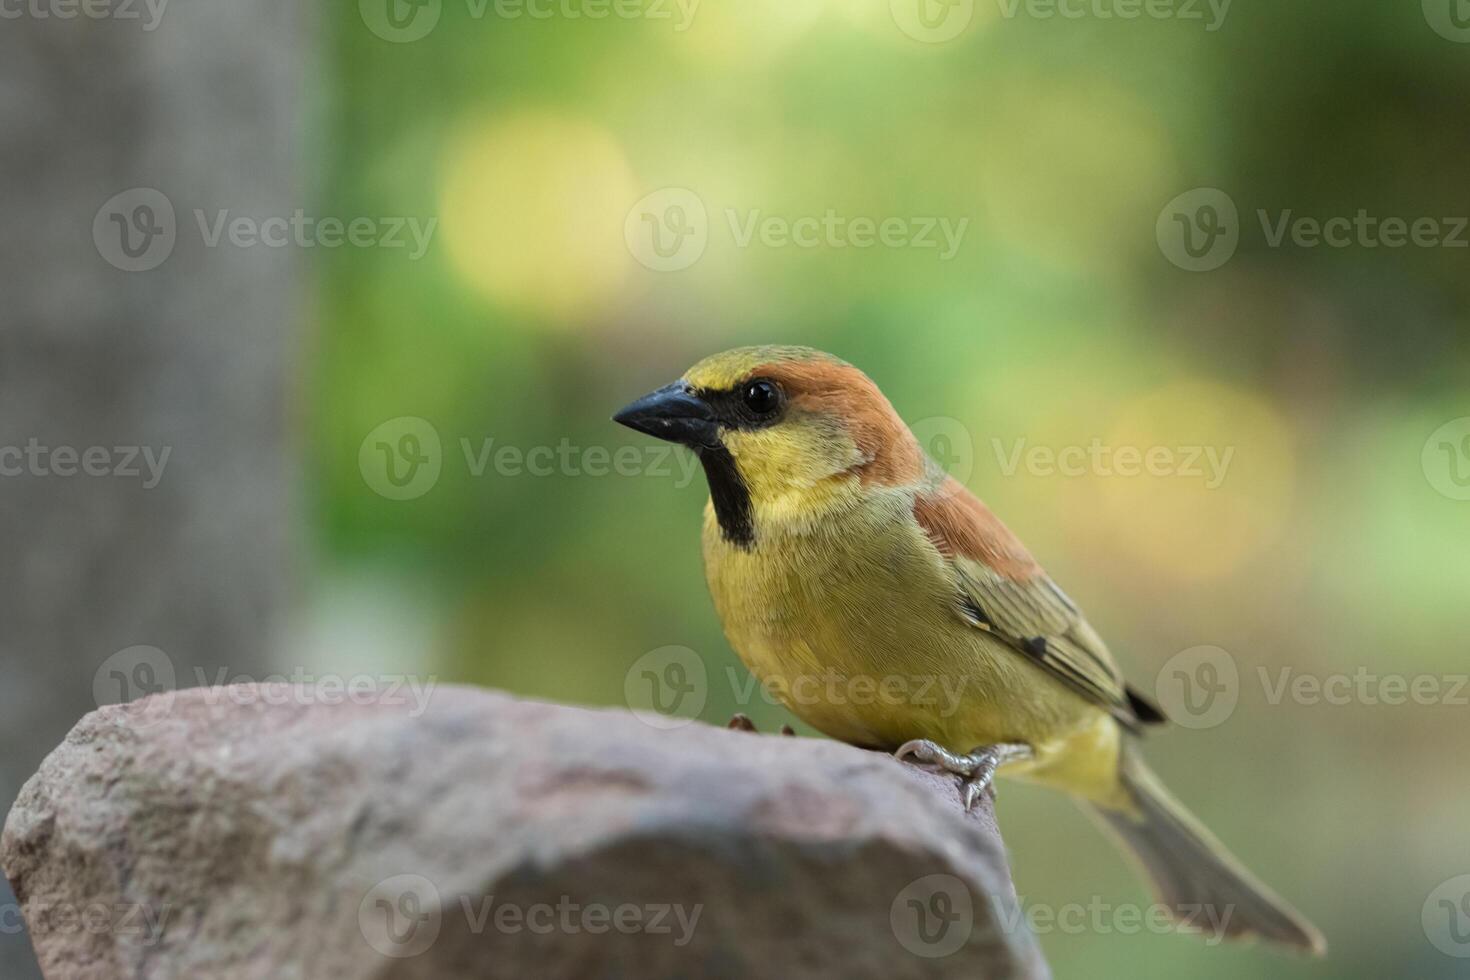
761, 397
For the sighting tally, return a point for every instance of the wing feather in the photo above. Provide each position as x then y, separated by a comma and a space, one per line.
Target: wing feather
1003, 590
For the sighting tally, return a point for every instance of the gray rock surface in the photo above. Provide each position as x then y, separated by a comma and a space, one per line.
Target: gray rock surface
294, 833
201, 102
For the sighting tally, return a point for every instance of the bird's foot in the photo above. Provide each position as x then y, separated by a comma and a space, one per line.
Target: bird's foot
742, 723
976, 770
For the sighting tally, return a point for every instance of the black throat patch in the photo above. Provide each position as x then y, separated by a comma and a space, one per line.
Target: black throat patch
730, 496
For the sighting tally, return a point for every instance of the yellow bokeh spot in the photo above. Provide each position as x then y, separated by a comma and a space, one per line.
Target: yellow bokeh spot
1218, 490
532, 209
747, 32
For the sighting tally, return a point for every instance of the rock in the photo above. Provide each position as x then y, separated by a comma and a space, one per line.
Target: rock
295, 833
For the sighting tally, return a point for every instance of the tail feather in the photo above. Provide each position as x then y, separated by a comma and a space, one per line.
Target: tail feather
1193, 875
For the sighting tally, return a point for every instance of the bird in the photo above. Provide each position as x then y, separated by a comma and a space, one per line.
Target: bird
835, 547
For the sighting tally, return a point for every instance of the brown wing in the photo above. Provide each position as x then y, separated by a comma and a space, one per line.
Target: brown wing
1005, 592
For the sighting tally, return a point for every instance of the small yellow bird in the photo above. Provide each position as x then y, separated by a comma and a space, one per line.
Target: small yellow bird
858, 581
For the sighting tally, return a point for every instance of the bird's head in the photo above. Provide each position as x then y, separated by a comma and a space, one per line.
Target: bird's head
775, 427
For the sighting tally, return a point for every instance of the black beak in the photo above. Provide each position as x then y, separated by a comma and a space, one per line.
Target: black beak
674, 413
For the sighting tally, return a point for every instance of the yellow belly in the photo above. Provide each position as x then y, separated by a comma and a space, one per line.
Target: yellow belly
851, 622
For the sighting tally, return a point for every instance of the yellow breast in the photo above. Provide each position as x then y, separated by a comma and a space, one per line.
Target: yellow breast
847, 614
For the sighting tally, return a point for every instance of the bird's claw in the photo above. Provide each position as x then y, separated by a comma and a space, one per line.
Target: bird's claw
740, 722
936, 755
972, 789
976, 771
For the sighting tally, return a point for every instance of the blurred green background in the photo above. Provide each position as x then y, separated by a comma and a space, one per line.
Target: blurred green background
1331, 545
